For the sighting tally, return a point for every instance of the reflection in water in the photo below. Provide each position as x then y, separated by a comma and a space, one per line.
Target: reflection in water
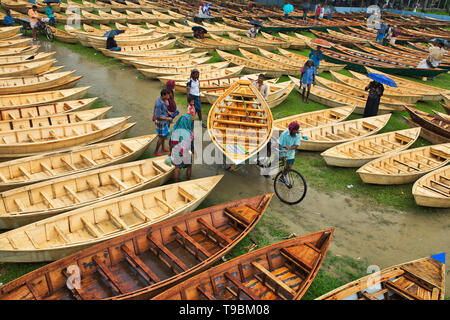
384, 237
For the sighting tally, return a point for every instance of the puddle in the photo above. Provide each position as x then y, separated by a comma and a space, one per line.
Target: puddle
382, 236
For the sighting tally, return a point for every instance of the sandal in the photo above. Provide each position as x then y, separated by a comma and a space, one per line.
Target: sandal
158, 154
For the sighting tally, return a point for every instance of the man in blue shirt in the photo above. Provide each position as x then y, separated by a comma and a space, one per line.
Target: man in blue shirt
9, 20
288, 141
316, 56
307, 78
162, 121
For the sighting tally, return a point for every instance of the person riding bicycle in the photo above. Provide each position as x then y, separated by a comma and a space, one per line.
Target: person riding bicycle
288, 141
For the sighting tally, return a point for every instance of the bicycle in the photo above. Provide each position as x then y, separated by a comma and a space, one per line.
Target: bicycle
42, 27
289, 184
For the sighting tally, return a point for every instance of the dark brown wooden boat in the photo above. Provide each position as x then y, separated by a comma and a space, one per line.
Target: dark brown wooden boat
142, 263
282, 271
429, 121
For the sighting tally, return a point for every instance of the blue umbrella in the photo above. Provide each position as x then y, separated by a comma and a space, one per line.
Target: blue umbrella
444, 42
195, 28
112, 33
288, 8
208, 5
382, 79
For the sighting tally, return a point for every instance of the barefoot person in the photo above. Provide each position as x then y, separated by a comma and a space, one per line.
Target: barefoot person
34, 17
162, 121
193, 92
307, 79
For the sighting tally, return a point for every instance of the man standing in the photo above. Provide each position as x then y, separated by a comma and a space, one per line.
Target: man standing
33, 14
193, 92
162, 121
261, 86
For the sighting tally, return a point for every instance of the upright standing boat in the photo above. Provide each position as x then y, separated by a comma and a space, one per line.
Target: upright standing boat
240, 122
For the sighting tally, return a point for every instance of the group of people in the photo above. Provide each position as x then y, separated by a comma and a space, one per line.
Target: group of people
204, 9
321, 12
387, 33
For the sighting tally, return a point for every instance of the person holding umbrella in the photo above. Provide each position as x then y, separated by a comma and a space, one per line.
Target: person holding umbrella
111, 44
307, 78
287, 8
376, 90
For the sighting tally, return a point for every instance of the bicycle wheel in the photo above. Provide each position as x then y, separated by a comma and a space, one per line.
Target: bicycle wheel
49, 33
290, 187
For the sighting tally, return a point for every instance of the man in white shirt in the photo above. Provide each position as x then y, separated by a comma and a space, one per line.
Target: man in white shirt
193, 92
261, 86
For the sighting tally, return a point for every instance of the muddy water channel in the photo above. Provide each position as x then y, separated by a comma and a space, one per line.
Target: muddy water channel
382, 236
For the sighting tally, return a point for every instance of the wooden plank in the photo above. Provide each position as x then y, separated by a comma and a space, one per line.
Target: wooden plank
188, 238
109, 276
71, 166
232, 217
215, 231
119, 222
33, 242
140, 212
272, 277
89, 160
95, 188
33, 291
73, 194
48, 200
90, 228
406, 165
169, 254
139, 265
436, 190
138, 175
164, 202
205, 293
400, 291
25, 172
61, 234
46, 168
241, 286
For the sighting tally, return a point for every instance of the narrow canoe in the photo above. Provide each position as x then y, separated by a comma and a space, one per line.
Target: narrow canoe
211, 74
56, 237
149, 54
252, 42
334, 99
434, 123
329, 135
425, 133
233, 43
282, 271
29, 58
24, 69
406, 166
53, 120
422, 279
7, 32
12, 113
240, 122
95, 18
25, 171
360, 94
295, 43
154, 73
358, 152
28, 84
118, 17
284, 60
315, 118
180, 86
166, 44
289, 69
324, 65
15, 51
277, 101
42, 97
161, 56
212, 231
28, 204
162, 63
134, 17
432, 190
15, 43
100, 42
282, 43
63, 36
394, 93
27, 142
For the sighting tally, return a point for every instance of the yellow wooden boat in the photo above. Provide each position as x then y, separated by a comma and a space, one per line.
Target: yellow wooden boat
432, 190
19, 59
15, 43
324, 66
358, 152
252, 42
209, 84
295, 43
170, 62
87, 226
148, 54
240, 122
152, 47
7, 32
18, 51
406, 166
282, 43
210, 74
100, 42
154, 73
25, 69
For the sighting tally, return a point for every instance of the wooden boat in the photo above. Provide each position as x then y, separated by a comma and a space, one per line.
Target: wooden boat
12, 113
134, 17
24, 59
101, 221
29, 170
425, 133
27, 142
51, 81
22, 69
357, 93
211, 74
16, 51
28, 204
276, 90
155, 73
446, 97
100, 42
406, 166
334, 99
155, 46
169, 62
314, 118
209, 84
283, 97
171, 30
89, 6
240, 122
270, 68
254, 43
95, 18
432, 190
207, 44
282, 271
209, 231
422, 279
148, 54
232, 44
51, 120
295, 43
63, 36
119, 17
324, 66
158, 58
360, 151
15, 43
43, 97
434, 123
7, 32
393, 93
275, 40
329, 135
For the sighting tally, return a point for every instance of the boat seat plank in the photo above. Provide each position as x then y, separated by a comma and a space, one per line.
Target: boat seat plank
242, 123
140, 212
19, 205
436, 190
89, 160
73, 194
428, 159
70, 165
61, 234
25, 172
138, 175
32, 240
47, 199
93, 187
406, 165
32, 290
243, 213
139, 265
164, 202
46, 168
189, 239
301, 264
214, 231
109, 276
272, 277
117, 181
400, 291
2, 177
205, 293
12, 242
117, 220
440, 184
169, 254
184, 193
240, 286
106, 153
92, 230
